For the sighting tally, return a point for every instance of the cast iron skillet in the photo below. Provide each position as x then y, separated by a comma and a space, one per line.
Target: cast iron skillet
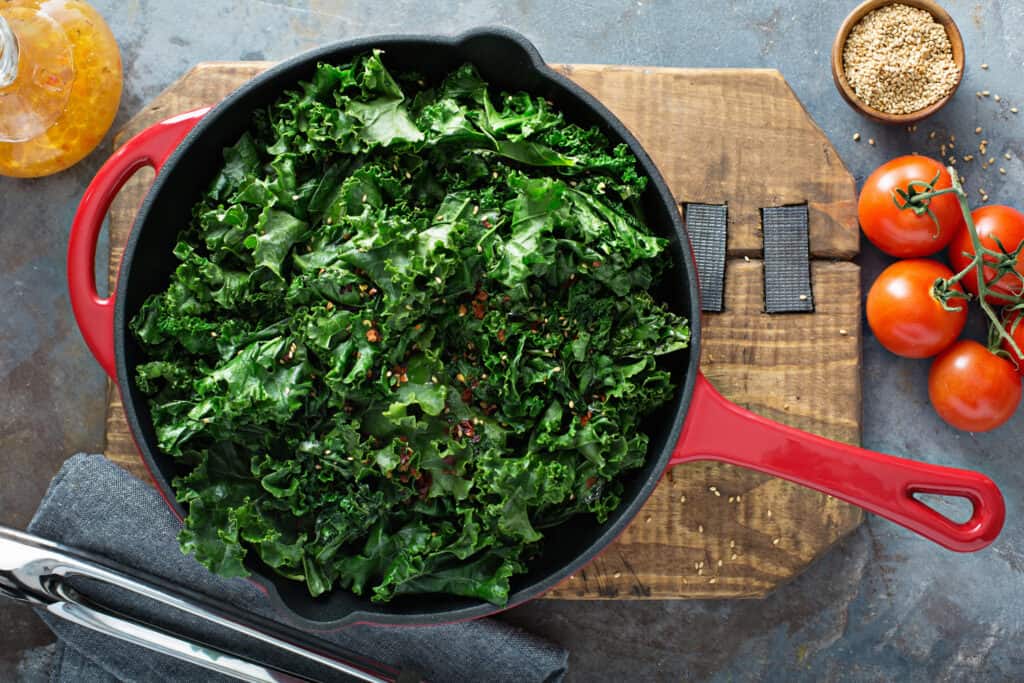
186, 152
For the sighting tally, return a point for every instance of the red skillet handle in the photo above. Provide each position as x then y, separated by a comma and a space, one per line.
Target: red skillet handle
716, 429
95, 314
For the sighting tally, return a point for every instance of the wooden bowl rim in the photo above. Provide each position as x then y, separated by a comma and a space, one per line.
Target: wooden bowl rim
839, 73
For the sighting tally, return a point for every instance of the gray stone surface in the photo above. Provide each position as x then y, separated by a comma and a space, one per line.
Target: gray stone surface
883, 605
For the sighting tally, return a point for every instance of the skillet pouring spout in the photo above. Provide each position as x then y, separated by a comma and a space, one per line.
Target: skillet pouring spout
717, 429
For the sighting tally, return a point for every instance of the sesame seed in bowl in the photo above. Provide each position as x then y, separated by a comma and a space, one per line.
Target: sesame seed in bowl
898, 62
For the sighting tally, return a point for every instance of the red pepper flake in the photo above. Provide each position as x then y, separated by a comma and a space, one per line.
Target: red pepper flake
501, 336
423, 485
372, 336
590, 482
481, 295
467, 395
478, 310
596, 264
584, 419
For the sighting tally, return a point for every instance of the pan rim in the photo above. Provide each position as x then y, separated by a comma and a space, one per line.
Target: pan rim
681, 254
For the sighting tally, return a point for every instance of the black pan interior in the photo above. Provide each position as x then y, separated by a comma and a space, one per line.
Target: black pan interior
509, 62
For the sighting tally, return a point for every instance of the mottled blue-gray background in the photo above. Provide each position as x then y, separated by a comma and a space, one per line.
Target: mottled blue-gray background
883, 605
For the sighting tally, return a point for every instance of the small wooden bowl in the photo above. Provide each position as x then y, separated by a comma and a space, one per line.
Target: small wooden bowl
839, 73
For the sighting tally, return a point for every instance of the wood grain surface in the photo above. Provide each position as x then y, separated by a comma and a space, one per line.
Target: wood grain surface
735, 136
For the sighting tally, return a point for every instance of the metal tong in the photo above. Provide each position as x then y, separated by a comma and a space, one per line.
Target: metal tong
38, 571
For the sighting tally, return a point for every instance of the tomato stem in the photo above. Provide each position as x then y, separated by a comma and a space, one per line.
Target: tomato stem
917, 197
943, 287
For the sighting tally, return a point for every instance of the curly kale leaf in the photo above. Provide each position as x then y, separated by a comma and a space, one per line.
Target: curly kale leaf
409, 330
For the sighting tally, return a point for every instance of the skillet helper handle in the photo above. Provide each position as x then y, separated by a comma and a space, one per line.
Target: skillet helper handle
717, 429
94, 313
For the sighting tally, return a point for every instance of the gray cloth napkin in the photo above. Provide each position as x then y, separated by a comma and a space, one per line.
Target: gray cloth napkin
94, 505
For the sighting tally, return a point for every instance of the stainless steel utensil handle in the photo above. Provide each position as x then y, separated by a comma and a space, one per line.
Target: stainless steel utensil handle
164, 643
37, 570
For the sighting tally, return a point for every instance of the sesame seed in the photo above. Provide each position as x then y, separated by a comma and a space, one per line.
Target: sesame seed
720, 563
712, 580
733, 556
700, 528
803, 297
871, 141
856, 137
985, 93
682, 499
978, 129
843, 332
732, 544
931, 136
1014, 110
984, 66
769, 513
996, 98
776, 541
747, 259
991, 160
1006, 155
617, 575
1002, 171
732, 498
647, 519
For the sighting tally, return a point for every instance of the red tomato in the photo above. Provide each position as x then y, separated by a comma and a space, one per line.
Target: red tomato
972, 388
1015, 326
901, 232
904, 315
991, 222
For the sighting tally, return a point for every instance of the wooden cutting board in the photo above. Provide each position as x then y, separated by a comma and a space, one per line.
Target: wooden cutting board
739, 137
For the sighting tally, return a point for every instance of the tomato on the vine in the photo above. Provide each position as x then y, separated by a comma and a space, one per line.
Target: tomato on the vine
904, 313
973, 389
992, 222
908, 232
1014, 325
